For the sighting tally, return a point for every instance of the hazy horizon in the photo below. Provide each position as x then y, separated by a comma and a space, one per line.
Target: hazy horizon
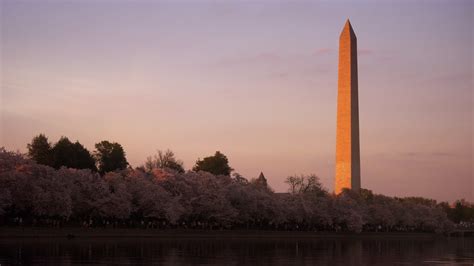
254, 80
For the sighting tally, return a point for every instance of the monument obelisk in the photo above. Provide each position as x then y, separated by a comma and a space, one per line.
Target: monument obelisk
347, 136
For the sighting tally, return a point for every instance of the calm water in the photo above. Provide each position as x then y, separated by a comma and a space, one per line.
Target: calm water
231, 251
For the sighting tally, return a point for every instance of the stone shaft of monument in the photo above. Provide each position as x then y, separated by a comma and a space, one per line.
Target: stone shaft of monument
347, 135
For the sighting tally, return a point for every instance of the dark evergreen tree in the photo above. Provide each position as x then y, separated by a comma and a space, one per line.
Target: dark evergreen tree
72, 155
217, 165
110, 156
40, 150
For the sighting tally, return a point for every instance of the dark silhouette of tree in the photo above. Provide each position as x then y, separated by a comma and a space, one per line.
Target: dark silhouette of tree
40, 150
164, 160
72, 155
304, 184
110, 156
218, 164
260, 182
36, 194
463, 211
238, 178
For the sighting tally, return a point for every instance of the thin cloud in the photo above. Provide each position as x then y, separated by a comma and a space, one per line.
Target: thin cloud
458, 77
365, 51
427, 154
323, 51
272, 58
259, 58
281, 75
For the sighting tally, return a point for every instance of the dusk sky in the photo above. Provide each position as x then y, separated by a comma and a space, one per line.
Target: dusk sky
256, 80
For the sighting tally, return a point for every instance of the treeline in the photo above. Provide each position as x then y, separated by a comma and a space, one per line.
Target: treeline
110, 156
158, 196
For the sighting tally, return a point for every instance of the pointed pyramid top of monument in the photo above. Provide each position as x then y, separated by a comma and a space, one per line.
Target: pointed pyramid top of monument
348, 29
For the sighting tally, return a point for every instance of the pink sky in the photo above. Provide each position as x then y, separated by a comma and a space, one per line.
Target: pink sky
255, 80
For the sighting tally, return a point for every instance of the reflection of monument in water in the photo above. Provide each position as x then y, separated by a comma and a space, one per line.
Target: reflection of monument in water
347, 136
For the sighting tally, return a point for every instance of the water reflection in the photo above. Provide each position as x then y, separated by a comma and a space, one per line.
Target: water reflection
237, 251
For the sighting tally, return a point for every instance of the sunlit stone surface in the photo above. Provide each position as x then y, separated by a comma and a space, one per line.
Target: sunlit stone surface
347, 136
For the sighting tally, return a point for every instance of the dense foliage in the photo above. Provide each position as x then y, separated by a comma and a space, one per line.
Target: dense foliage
218, 164
107, 156
40, 150
72, 155
62, 153
36, 194
110, 156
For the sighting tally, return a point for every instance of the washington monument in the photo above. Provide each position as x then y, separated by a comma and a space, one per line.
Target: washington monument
347, 135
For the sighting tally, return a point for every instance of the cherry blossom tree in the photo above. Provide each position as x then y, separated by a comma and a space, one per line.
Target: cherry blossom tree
34, 193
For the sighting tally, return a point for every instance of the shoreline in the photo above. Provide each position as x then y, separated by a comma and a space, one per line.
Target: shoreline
77, 232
